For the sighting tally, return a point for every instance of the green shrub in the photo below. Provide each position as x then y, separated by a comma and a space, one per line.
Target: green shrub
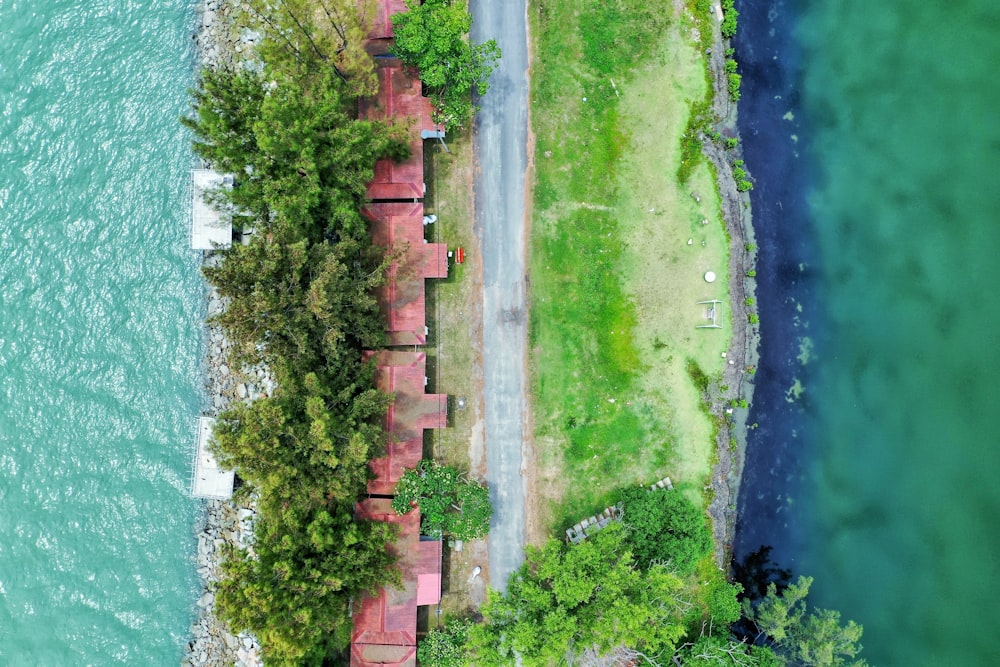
663, 526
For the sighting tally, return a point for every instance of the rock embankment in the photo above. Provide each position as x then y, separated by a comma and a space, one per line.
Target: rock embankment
742, 354
226, 522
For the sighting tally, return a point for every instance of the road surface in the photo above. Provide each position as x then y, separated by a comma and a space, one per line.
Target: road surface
500, 145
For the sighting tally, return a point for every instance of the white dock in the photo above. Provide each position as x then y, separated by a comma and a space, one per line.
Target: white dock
210, 481
210, 229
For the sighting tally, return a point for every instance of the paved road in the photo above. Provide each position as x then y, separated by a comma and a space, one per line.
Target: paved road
500, 144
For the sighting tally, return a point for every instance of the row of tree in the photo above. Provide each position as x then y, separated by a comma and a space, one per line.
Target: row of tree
301, 303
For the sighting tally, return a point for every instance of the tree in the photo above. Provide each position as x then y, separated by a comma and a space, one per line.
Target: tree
432, 37
566, 600
663, 526
303, 308
293, 588
301, 157
304, 34
814, 639
711, 651
445, 647
448, 503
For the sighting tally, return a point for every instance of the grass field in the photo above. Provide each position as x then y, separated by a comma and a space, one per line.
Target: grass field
614, 281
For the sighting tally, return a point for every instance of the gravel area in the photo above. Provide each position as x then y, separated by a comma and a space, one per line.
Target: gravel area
211, 644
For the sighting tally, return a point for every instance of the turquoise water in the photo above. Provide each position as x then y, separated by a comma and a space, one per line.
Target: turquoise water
904, 99
100, 304
891, 500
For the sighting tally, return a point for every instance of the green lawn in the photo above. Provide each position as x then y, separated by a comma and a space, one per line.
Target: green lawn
614, 283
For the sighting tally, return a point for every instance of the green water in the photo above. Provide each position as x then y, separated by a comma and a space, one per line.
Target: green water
903, 102
100, 304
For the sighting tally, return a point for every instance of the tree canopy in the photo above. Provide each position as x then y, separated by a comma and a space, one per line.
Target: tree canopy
449, 504
314, 34
301, 157
432, 36
663, 526
589, 596
294, 588
802, 637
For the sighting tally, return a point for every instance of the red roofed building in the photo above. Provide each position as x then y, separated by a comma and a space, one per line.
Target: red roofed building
412, 411
400, 97
385, 625
403, 297
382, 23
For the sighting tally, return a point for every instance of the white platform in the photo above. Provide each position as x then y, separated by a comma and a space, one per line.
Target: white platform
210, 481
209, 228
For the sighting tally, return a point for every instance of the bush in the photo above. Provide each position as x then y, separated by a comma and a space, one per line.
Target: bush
662, 526
445, 647
448, 504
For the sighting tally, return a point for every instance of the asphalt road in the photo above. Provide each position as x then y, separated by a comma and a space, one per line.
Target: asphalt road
500, 145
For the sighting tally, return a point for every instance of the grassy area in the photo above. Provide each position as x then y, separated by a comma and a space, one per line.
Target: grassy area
614, 280
455, 320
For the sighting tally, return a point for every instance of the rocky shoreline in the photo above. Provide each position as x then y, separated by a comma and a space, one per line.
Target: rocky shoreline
220, 43
742, 355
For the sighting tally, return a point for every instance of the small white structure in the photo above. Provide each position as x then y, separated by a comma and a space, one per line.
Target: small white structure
210, 229
210, 481
710, 276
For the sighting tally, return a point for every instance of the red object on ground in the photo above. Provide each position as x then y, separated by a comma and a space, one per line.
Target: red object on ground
460, 256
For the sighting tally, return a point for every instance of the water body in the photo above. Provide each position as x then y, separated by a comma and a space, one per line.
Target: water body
872, 131
100, 341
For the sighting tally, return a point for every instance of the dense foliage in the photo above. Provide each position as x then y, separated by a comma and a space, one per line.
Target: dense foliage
302, 157
317, 34
663, 526
445, 647
566, 600
432, 36
449, 504
300, 302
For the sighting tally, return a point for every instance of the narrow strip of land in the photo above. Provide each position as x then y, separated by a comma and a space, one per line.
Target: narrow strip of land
500, 145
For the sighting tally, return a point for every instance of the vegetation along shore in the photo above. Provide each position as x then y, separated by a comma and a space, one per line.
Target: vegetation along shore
642, 343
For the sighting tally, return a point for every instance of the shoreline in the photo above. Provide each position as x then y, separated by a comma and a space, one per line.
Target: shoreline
731, 439
224, 522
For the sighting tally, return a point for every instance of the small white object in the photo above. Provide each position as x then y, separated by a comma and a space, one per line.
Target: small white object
709, 276
584, 99
690, 241
723, 355
430, 219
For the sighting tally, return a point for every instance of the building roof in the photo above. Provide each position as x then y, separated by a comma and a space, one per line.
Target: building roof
428, 572
209, 228
400, 98
382, 24
385, 625
403, 298
412, 411
209, 479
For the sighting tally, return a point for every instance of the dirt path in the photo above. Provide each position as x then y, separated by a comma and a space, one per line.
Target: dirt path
500, 148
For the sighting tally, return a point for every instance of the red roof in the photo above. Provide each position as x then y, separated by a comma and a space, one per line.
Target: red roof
403, 297
382, 25
385, 625
400, 98
412, 411
428, 572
